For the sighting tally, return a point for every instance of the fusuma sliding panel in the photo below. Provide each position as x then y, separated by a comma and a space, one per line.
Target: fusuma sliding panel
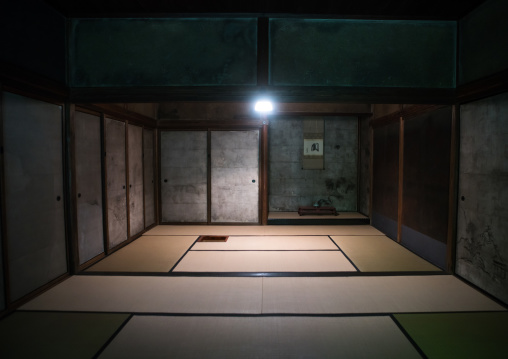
385, 181
116, 181
184, 176
482, 227
427, 144
149, 176
135, 152
87, 134
235, 172
35, 227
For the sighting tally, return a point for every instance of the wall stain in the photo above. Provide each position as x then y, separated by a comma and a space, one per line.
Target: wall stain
481, 251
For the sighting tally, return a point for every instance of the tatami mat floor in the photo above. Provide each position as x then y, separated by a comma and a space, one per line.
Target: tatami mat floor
268, 291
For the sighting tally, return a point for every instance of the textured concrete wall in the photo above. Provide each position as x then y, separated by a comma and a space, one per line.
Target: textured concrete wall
235, 176
290, 186
88, 185
135, 153
184, 178
35, 227
149, 176
116, 181
482, 229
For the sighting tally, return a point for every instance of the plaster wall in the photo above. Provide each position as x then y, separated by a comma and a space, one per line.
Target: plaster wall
482, 230
290, 186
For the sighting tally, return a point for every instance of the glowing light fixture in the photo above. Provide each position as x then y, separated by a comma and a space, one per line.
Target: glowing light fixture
263, 106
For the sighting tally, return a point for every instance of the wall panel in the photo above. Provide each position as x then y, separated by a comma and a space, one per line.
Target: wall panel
149, 176
88, 144
385, 182
482, 229
184, 176
427, 144
334, 52
235, 176
163, 52
116, 182
34, 203
135, 153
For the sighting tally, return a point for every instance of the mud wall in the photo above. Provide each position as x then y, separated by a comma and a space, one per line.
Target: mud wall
482, 230
290, 186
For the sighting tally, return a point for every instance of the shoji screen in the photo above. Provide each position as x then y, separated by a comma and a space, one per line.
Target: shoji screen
34, 202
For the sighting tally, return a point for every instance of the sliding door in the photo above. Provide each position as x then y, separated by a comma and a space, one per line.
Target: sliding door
33, 173
235, 176
116, 182
148, 173
184, 176
87, 134
135, 153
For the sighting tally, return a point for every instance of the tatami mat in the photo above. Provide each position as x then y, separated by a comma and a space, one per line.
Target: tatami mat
138, 294
178, 230
264, 261
386, 294
56, 335
268, 243
458, 335
146, 254
256, 295
260, 337
381, 254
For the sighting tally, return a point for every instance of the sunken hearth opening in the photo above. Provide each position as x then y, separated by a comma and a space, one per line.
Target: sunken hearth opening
213, 238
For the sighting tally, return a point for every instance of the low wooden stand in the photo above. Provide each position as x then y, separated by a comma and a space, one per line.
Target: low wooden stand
325, 210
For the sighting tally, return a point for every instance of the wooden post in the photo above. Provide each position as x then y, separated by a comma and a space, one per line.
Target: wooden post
452, 201
264, 171
401, 180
